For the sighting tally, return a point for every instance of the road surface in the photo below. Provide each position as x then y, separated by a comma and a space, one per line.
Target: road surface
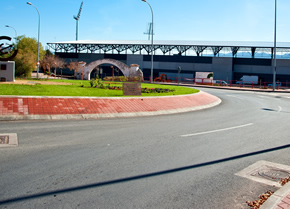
186, 160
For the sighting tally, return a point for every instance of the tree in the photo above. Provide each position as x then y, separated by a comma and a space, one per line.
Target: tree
24, 64
73, 66
47, 63
47, 52
25, 61
50, 61
59, 63
77, 66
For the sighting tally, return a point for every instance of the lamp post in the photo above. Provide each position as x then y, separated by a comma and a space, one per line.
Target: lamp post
38, 36
151, 42
54, 70
274, 52
112, 72
178, 72
8, 26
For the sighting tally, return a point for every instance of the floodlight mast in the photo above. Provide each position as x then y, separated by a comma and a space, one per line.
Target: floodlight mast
149, 31
77, 20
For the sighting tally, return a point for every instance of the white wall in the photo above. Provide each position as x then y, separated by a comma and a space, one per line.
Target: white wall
7, 71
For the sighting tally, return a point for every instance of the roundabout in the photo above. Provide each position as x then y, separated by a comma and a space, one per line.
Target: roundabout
187, 160
44, 100
33, 107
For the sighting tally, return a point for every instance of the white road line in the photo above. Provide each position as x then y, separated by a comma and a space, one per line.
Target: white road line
280, 109
232, 96
218, 130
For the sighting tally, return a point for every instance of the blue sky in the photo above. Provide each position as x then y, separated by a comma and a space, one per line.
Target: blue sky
209, 20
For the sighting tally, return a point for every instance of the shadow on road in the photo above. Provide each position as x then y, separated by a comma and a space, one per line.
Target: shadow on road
133, 178
272, 110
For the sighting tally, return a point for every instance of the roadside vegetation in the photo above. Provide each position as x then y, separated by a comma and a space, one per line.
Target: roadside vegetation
84, 88
49, 63
25, 60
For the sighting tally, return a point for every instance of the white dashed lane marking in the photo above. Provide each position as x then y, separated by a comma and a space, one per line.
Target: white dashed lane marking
218, 130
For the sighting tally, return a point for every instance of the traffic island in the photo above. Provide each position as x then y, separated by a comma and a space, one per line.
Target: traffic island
43, 108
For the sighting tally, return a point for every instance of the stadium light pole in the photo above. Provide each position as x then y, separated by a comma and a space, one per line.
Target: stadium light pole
8, 26
151, 42
275, 48
38, 37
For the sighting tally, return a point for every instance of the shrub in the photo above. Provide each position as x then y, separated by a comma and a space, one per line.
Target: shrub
156, 90
123, 78
96, 82
93, 82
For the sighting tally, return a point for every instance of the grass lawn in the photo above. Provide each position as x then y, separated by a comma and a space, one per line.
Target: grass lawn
80, 88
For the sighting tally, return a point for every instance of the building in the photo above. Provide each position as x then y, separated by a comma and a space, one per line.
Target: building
227, 60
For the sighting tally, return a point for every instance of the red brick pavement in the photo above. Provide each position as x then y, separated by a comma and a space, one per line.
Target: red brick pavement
285, 203
69, 105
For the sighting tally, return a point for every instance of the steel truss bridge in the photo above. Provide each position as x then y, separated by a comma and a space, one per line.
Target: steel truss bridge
195, 48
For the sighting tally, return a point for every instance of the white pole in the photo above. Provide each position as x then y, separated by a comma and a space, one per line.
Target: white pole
152, 47
274, 52
38, 37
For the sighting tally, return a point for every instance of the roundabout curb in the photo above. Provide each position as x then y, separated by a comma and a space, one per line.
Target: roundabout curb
68, 108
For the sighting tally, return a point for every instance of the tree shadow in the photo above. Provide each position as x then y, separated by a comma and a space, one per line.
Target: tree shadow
138, 177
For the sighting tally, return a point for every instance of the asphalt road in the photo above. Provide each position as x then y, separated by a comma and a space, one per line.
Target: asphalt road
184, 160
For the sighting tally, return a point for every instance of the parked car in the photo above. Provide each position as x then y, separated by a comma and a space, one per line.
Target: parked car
221, 82
277, 84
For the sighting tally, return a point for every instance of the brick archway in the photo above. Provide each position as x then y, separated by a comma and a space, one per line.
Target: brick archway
128, 71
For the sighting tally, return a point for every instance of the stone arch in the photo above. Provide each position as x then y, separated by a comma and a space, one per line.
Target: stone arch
128, 71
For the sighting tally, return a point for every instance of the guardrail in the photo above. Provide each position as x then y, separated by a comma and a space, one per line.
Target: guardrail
228, 83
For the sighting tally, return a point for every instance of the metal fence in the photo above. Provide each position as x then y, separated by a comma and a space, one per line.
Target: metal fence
228, 83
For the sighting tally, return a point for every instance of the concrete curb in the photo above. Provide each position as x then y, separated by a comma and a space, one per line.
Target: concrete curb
109, 115
276, 198
228, 88
243, 89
